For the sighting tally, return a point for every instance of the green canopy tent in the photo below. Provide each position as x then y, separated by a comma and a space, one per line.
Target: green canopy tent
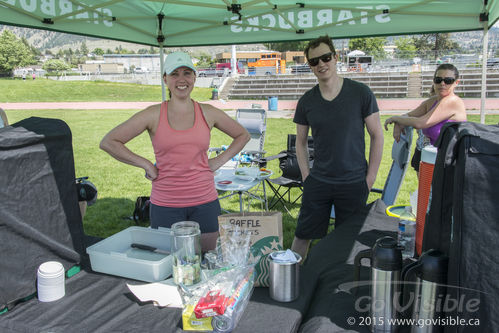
175, 23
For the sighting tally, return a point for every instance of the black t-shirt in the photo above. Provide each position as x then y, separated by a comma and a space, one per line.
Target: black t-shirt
338, 131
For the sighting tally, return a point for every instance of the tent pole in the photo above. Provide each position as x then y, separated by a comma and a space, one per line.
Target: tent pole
485, 45
161, 67
233, 61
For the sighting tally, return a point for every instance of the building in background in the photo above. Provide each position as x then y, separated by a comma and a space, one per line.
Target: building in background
100, 67
146, 62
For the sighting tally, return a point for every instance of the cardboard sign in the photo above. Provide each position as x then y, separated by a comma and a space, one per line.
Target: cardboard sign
266, 237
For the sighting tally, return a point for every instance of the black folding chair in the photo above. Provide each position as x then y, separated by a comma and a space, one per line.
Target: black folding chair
291, 175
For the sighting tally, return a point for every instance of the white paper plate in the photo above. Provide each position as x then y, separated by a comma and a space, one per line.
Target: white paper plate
244, 177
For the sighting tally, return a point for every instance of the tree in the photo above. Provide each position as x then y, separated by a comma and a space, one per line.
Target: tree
55, 65
120, 50
205, 60
34, 51
371, 46
435, 45
84, 48
287, 46
98, 51
13, 53
405, 48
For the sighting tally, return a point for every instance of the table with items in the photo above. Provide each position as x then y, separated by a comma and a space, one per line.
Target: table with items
99, 302
243, 181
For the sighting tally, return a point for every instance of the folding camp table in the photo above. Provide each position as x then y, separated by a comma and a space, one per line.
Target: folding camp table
226, 180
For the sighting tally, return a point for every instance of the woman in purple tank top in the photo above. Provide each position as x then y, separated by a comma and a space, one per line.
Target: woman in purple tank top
442, 107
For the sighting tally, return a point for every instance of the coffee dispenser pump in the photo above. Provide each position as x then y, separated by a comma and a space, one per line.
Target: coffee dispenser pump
386, 265
428, 275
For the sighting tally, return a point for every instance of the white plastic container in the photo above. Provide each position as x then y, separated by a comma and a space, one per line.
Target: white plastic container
115, 255
50, 281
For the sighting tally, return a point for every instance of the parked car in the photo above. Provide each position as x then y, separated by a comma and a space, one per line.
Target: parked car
204, 72
295, 69
140, 70
493, 62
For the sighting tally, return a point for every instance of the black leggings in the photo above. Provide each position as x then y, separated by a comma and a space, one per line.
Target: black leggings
416, 158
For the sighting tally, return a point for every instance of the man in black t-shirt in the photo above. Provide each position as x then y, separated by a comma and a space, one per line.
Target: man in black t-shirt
336, 110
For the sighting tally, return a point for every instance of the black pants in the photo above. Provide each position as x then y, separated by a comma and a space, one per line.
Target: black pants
318, 198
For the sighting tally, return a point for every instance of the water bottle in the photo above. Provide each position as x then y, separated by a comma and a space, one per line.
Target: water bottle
407, 232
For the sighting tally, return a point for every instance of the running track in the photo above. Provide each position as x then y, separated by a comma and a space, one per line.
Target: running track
385, 105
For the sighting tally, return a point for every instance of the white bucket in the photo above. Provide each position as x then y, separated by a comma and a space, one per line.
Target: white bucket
50, 281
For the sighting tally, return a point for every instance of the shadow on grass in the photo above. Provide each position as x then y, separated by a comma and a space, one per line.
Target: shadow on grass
109, 216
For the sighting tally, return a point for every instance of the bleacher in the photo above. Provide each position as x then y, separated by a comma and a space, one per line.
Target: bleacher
470, 84
383, 84
291, 87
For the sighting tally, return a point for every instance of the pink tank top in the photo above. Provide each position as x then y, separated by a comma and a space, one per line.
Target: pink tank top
184, 177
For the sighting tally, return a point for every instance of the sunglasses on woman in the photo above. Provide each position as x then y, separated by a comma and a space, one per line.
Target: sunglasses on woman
325, 58
447, 80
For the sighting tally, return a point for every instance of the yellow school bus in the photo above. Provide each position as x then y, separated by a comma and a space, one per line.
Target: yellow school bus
269, 63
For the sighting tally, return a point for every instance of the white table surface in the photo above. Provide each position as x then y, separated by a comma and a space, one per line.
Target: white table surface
237, 183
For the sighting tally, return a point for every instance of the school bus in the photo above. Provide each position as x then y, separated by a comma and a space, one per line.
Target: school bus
268, 64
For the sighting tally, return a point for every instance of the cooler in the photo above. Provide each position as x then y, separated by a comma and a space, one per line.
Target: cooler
426, 166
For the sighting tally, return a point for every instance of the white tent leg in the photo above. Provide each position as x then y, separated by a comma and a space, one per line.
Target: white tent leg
485, 44
161, 66
233, 61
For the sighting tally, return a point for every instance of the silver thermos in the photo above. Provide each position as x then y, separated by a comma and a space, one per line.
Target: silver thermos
429, 277
386, 264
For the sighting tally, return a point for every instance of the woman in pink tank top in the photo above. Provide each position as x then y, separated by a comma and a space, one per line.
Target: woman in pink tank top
442, 107
182, 175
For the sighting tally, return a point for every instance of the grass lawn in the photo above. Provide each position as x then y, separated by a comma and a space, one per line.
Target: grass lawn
45, 90
120, 184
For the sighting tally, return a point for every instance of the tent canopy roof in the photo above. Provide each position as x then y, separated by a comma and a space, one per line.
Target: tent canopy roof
216, 22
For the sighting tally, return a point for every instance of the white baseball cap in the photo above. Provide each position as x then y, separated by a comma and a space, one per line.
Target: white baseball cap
178, 59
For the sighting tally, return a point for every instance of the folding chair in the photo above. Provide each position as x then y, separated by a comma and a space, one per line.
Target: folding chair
255, 122
401, 156
291, 175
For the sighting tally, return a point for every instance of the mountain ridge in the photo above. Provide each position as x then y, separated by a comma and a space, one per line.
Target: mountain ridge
53, 41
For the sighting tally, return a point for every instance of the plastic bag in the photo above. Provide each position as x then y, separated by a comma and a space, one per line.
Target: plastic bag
224, 293
413, 198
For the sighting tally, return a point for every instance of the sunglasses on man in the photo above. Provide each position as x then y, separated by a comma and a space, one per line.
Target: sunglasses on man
325, 58
447, 80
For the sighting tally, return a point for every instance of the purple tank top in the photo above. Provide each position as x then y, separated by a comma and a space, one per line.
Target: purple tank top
434, 131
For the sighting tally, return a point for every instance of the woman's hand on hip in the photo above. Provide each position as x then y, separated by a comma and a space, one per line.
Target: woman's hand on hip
151, 172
